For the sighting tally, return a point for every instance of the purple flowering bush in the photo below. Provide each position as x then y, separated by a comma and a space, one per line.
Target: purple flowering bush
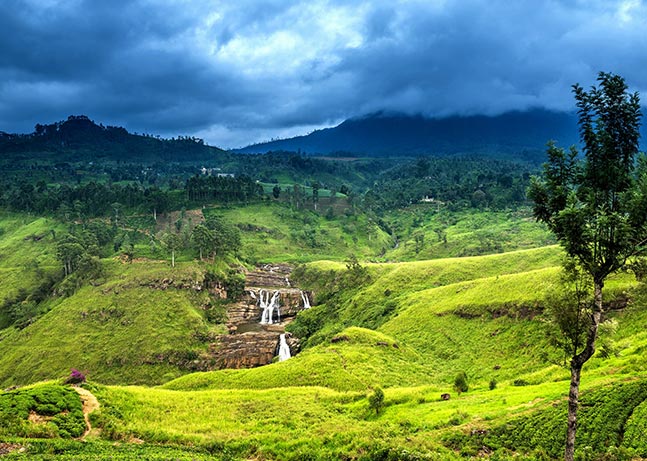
76, 377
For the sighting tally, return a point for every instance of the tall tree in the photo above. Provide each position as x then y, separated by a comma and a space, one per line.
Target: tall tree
315, 194
69, 251
172, 242
203, 238
226, 237
596, 207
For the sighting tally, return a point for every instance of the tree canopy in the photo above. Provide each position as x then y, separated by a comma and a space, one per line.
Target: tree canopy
597, 208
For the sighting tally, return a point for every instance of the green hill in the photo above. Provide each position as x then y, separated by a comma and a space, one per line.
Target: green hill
80, 139
409, 328
127, 330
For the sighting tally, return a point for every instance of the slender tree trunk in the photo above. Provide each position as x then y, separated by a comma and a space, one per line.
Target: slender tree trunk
573, 402
173, 258
577, 362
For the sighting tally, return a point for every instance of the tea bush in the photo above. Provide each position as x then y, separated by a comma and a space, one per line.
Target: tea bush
57, 410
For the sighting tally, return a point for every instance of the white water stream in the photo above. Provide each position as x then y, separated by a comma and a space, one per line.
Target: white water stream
269, 305
306, 301
284, 349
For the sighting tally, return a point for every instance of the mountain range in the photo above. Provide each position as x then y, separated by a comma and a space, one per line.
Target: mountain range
512, 135
386, 134
521, 135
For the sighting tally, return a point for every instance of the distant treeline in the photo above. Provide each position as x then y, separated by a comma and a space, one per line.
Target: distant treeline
224, 189
78, 138
456, 182
97, 199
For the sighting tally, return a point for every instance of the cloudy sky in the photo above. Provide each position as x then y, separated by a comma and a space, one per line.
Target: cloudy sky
243, 71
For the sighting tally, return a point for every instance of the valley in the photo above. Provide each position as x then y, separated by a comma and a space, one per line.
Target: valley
408, 328
323, 230
321, 309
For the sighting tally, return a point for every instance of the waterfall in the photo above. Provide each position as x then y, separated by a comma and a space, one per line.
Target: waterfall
306, 301
284, 349
268, 305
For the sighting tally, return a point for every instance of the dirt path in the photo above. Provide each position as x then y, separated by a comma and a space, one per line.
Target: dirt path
90, 403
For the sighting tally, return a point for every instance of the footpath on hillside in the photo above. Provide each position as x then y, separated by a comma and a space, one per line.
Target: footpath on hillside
90, 403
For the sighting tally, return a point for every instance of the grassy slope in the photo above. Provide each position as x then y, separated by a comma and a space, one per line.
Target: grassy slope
436, 336
273, 232
99, 330
444, 234
21, 257
362, 360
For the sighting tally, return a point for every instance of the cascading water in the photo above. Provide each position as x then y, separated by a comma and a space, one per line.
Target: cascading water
269, 305
306, 301
284, 349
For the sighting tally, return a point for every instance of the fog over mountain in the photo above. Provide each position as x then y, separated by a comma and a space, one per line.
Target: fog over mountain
513, 134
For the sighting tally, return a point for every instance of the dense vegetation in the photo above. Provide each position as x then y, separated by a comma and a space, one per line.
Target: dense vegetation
468, 183
107, 267
58, 408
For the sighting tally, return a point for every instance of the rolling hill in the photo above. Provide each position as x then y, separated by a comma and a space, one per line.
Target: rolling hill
408, 328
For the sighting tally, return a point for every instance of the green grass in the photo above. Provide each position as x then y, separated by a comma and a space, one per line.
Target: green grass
122, 331
442, 233
273, 232
394, 287
27, 251
75, 450
361, 359
318, 423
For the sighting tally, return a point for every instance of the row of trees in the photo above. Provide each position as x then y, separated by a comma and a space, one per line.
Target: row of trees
100, 199
225, 189
86, 200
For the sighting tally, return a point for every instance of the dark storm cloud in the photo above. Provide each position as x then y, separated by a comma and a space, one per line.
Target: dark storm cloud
487, 57
239, 72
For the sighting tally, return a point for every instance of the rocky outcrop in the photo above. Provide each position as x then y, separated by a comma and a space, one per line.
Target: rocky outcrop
249, 343
269, 276
248, 350
247, 309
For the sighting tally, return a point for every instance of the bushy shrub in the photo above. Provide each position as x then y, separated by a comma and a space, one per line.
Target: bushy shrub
376, 400
460, 382
60, 405
76, 377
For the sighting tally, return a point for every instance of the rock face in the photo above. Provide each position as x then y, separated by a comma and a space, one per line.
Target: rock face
248, 350
248, 310
250, 344
269, 276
